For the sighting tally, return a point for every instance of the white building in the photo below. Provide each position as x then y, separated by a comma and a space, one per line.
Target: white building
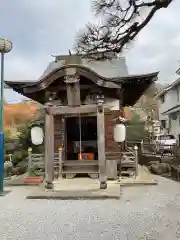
169, 108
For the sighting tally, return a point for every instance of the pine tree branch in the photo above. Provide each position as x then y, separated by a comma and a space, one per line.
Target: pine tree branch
120, 23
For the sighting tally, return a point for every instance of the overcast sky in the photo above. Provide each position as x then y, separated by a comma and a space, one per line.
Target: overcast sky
39, 28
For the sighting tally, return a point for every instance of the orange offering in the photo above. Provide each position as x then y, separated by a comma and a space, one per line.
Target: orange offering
86, 156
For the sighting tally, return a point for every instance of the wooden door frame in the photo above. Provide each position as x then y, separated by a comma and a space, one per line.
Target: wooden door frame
49, 137
75, 116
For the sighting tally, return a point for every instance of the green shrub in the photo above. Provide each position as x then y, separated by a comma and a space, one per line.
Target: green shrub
19, 156
36, 171
20, 152
8, 171
6, 139
21, 168
135, 129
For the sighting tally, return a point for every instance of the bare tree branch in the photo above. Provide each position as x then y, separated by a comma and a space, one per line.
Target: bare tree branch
121, 22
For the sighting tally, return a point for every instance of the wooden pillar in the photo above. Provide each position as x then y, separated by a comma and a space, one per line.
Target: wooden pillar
121, 145
73, 89
73, 94
101, 147
49, 150
64, 138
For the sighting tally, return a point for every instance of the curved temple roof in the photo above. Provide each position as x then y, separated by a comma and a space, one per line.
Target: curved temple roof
107, 74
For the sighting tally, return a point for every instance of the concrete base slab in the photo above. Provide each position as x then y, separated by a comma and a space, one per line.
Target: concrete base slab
138, 183
144, 178
77, 189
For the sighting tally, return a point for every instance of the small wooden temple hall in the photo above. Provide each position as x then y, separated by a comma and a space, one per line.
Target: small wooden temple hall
82, 101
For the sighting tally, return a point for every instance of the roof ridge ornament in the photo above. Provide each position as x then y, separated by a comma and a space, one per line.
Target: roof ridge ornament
69, 58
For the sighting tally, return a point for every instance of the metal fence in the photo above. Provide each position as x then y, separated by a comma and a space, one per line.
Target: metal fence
149, 152
160, 149
155, 149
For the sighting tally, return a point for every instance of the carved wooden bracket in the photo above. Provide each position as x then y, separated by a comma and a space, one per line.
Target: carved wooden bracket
71, 79
47, 109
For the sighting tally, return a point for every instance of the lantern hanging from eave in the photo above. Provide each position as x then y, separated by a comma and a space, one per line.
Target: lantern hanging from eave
37, 135
119, 133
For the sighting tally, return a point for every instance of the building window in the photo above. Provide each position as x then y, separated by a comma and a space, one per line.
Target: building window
163, 123
169, 123
177, 94
162, 98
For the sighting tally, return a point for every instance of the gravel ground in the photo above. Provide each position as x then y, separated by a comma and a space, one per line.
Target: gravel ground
149, 213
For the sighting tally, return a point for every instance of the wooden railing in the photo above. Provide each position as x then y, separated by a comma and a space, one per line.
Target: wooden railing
68, 166
128, 159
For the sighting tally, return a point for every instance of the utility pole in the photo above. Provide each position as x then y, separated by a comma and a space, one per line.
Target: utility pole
5, 47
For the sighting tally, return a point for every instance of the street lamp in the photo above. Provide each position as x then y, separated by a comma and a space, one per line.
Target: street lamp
5, 47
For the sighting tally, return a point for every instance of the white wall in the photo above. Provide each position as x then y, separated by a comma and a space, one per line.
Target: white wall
171, 101
175, 127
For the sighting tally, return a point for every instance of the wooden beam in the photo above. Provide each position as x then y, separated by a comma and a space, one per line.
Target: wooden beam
62, 88
101, 147
49, 150
61, 110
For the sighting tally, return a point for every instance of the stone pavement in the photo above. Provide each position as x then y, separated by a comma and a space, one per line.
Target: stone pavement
146, 213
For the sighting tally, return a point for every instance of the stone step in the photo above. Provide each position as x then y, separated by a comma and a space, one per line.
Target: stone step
85, 171
80, 163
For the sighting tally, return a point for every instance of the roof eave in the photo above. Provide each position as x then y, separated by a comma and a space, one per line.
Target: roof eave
26, 84
169, 87
172, 110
